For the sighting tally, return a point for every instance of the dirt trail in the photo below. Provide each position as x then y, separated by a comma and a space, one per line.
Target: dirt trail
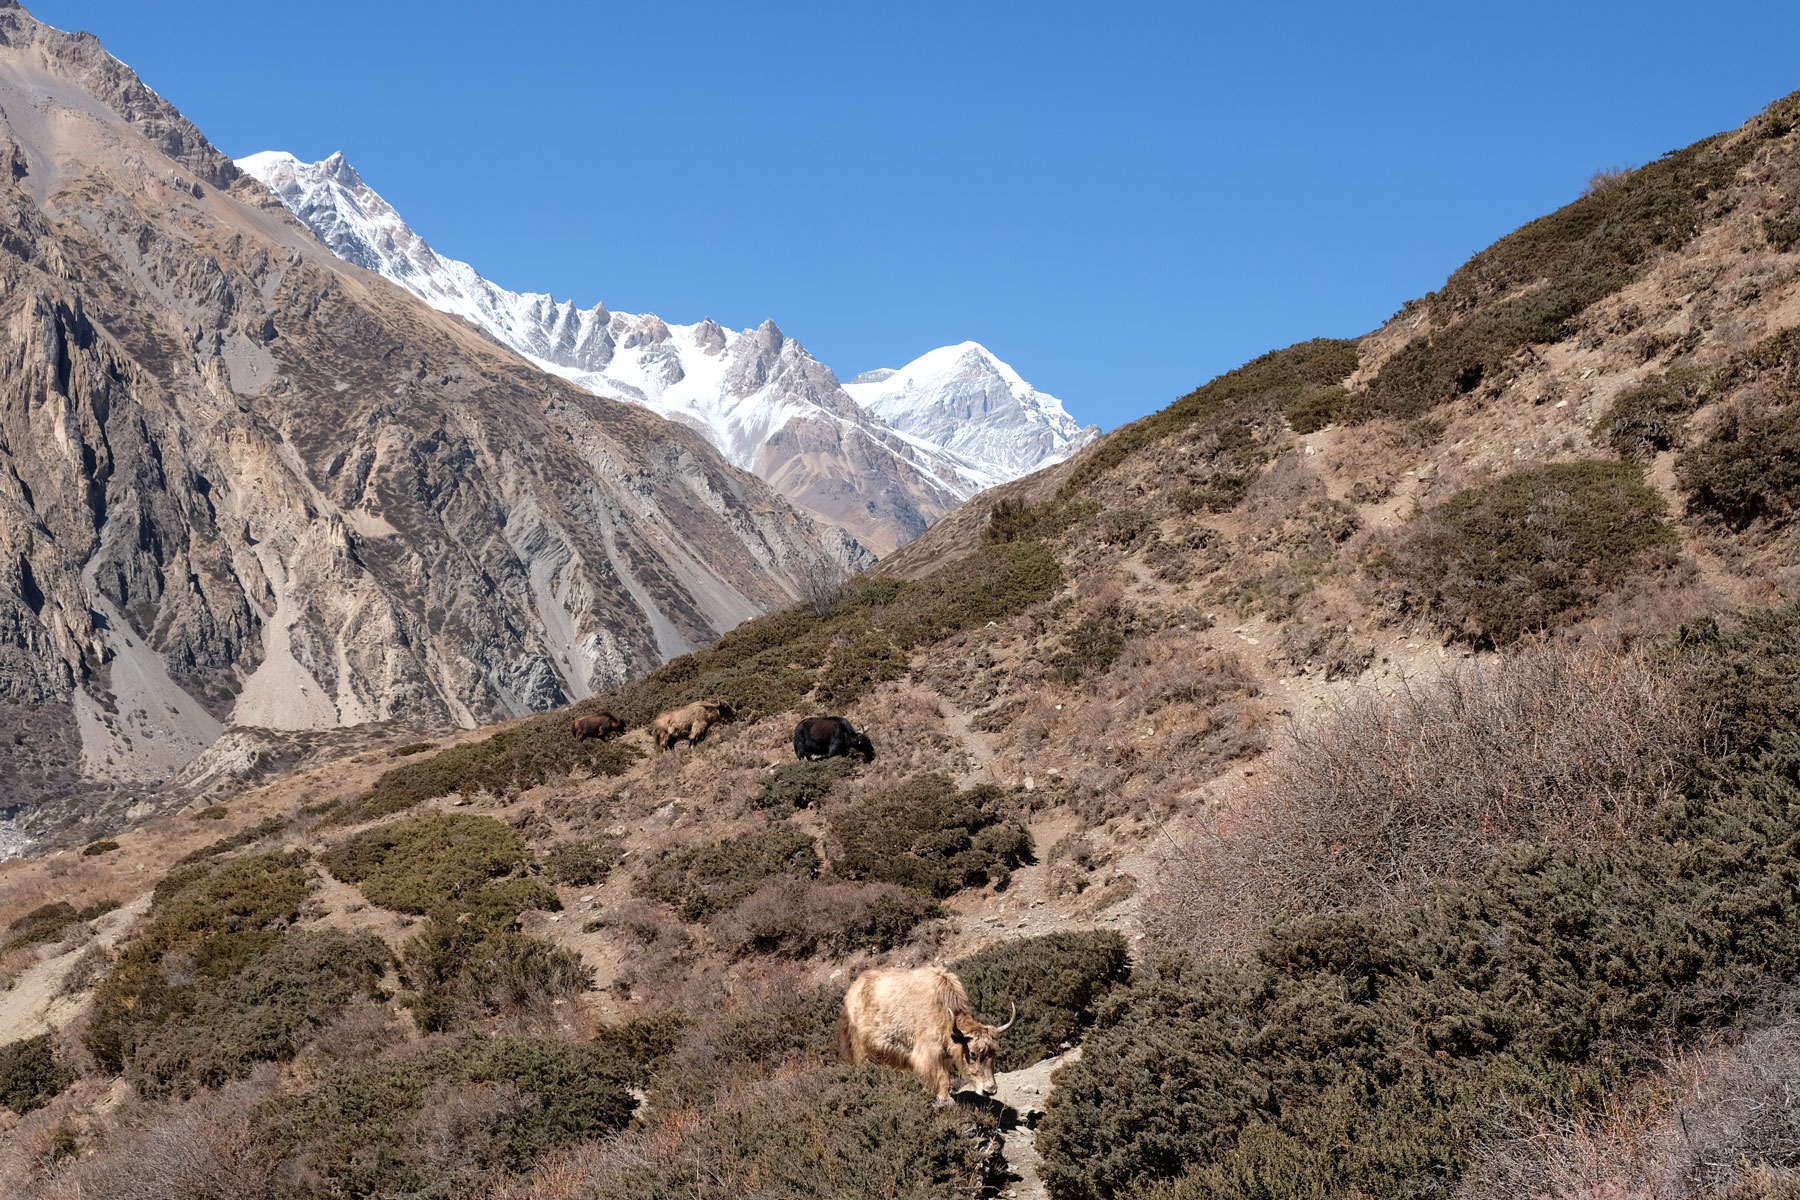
1025, 1092
35, 1003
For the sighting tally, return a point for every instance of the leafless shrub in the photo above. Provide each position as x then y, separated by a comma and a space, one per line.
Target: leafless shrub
805, 917
1389, 795
458, 1126
1719, 1121
1607, 179
203, 1149
1072, 860
819, 584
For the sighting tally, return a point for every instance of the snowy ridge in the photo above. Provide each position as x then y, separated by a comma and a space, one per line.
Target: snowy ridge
884, 460
964, 399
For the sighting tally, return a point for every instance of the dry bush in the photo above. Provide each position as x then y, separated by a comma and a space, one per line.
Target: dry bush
806, 917
1377, 802
1719, 1121
204, 1149
1167, 717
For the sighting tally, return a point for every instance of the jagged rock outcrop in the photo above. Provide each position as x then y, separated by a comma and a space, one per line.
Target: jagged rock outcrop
243, 482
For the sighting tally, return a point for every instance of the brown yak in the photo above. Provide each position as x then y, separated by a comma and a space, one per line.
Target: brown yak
918, 1020
596, 725
690, 722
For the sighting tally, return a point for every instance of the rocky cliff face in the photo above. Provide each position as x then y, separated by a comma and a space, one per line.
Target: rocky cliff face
885, 472
243, 482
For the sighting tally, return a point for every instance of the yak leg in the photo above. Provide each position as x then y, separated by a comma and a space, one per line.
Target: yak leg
929, 1066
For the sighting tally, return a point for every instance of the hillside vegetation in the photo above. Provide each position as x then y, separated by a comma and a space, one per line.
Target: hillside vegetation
1382, 763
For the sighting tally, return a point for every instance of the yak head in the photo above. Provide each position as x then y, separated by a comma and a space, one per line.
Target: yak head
976, 1047
862, 745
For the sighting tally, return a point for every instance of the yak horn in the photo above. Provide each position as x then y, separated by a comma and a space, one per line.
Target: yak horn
1009, 1020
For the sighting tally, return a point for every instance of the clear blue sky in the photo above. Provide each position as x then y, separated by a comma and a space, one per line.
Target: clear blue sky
1120, 199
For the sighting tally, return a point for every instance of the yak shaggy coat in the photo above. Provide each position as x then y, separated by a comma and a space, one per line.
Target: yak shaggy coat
688, 723
918, 1020
596, 725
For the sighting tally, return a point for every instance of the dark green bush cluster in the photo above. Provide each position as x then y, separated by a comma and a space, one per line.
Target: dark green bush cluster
1357, 1055
444, 865
32, 1074
1092, 646
1747, 468
1652, 417
1782, 230
48, 922
582, 862
219, 980
265, 828
1057, 981
215, 812
448, 1120
854, 669
1527, 287
802, 784
461, 871
1496, 561
763, 666
1228, 407
930, 836
513, 759
703, 880
847, 1132
104, 846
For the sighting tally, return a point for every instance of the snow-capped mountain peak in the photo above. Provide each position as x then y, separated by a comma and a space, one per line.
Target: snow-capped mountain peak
967, 399
756, 394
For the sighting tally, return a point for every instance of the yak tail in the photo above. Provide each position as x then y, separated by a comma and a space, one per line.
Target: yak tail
846, 1050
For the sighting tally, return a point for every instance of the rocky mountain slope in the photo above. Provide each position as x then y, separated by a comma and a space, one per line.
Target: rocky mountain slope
884, 463
1388, 748
242, 482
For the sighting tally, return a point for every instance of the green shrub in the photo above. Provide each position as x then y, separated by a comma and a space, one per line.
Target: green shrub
377, 1128
1314, 411
1746, 469
219, 980
264, 1011
216, 812
847, 1132
443, 865
513, 759
461, 971
266, 828
582, 862
1496, 561
49, 922
32, 1074
856, 668
703, 880
929, 836
1652, 417
1091, 647
1358, 1055
411, 748
104, 846
1057, 981
639, 1045
804, 917
802, 784
1782, 230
